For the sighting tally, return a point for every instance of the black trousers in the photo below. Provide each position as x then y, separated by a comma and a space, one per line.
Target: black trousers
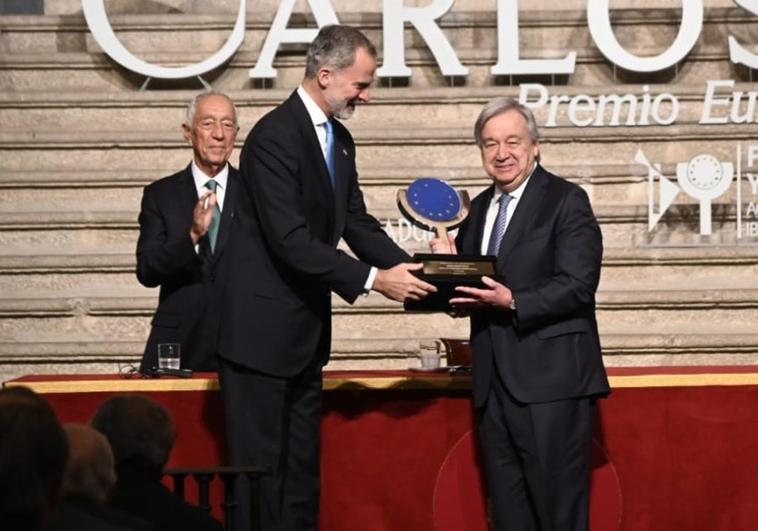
275, 422
536, 461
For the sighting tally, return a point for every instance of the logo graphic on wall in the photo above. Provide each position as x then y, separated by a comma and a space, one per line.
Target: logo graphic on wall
704, 178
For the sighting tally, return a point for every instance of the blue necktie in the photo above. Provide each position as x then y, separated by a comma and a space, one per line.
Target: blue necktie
498, 229
216, 219
329, 128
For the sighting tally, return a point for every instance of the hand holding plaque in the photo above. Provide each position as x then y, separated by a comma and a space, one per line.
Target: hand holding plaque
433, 204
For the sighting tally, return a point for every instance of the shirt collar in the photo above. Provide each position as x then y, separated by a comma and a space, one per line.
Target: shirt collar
318, 116
518, 192
201, 178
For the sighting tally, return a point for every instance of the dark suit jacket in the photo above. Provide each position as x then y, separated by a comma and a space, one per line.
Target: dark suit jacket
79, 514
189, 281
550, 259
278, 308
140, 492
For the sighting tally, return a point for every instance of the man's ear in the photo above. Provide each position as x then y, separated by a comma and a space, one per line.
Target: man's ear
324, 77
187, 133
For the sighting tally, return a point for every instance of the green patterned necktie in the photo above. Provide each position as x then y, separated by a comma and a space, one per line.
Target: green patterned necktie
216, 219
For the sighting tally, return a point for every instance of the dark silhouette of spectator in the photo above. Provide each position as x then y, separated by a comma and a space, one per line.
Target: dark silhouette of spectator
141, 433
33, 452
87, 486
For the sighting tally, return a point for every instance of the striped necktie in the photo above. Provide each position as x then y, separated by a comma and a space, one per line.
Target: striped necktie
498, 229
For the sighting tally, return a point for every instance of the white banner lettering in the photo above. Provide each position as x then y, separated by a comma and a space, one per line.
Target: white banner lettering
279, 33
599, 21
508, 60
424, 20
100, 26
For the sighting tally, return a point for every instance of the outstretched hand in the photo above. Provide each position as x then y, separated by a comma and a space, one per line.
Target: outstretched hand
398, 283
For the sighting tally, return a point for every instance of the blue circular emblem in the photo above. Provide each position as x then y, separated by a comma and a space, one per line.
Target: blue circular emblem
433, 199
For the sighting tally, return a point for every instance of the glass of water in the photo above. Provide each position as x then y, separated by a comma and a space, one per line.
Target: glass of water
169, 355
429, 354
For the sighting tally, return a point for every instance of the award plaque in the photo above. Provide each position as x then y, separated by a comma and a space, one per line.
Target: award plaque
433, 204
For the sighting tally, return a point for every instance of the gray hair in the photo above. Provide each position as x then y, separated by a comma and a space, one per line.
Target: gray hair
192, 107
90, 470
335, 46
500, 105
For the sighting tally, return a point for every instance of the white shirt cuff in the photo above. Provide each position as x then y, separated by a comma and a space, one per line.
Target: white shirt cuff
370, 280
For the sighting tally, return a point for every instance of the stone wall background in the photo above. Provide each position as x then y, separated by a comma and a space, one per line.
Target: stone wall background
79, 140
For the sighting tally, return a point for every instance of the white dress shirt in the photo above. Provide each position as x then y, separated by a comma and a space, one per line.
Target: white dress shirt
221, 178
317, 117
494, 206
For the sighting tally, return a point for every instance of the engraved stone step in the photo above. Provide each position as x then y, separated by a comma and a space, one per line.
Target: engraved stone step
455, 107
709, 268
720, 296
621, 224
359, 325
428, 147
606, 184
631, 347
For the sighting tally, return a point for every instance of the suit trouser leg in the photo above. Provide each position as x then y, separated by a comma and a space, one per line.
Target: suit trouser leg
275, 422
254, 412
536, 460
301, 470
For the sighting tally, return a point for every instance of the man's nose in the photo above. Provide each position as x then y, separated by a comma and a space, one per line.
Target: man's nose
217, 131
502, 151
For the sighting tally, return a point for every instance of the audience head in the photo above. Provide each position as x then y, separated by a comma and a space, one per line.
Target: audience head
90, 472
33, 453
139, 430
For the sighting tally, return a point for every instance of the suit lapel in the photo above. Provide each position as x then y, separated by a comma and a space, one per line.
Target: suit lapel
228, 213
308, 134
342, 180
527, 205
314, 154
187, 192
478, 217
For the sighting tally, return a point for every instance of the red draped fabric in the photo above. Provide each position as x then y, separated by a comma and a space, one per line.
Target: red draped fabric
674, 449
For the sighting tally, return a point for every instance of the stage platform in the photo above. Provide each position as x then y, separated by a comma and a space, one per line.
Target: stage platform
676, 448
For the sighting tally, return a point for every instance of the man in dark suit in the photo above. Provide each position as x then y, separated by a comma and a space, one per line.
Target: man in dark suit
88, 485
536, 352
184, 228
298, 168
141, 433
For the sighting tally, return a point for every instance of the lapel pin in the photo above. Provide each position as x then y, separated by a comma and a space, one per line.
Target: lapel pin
344, 152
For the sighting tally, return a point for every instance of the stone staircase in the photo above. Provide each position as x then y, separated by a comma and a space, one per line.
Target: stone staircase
79, 141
